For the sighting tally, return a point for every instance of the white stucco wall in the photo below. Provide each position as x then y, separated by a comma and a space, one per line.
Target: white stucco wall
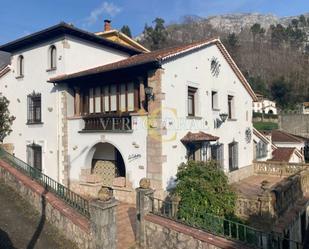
81, 148
194, 70
72, 55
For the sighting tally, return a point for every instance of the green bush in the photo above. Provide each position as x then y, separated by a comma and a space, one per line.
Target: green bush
203, 189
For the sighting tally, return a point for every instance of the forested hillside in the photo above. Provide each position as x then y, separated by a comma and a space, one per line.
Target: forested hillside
274, 58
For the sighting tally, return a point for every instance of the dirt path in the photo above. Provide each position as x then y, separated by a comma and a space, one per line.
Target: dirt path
23, 228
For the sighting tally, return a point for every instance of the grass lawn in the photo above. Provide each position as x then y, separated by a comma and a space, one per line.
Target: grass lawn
268, 126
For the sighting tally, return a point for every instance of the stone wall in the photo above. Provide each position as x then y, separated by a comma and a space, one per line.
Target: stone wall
76, 226
163, 233
297, 124
155, 158
240, 174
95, 233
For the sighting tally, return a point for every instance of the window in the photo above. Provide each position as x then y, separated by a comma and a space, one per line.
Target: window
261, 150
233, 156
198, 151
214, 100
217, 154
230, 100
122, 97
191, 101
34, 108
34, 156
52, 57
20, 66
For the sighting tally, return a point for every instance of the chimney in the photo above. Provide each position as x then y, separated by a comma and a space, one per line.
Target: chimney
107, 25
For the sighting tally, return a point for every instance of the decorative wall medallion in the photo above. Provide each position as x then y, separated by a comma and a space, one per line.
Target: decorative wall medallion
248, 134
215, 67
50, 109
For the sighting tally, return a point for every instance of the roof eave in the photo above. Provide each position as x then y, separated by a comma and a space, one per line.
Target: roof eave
153, 64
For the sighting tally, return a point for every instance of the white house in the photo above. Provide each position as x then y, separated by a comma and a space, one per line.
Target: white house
264, 105
278, 146
38, 131
112, 114
263, 146
305, 108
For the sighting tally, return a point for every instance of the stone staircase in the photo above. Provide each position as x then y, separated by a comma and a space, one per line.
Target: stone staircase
126, 222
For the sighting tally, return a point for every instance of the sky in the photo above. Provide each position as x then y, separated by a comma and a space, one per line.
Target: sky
22, 17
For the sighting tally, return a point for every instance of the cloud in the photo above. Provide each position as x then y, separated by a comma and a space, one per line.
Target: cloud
106, 8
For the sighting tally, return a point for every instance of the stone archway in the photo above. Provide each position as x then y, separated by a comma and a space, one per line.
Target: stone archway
107, 164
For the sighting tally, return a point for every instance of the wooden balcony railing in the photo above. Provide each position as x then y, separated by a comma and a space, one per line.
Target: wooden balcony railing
108, 122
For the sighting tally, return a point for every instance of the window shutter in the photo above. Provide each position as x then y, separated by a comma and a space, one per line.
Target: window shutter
106, 99
97, 99
91, 107
113, 98
131, 96
123, 97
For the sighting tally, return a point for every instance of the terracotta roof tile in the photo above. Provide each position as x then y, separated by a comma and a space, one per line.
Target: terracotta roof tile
158, 57
200, 136
282, 154
284, 137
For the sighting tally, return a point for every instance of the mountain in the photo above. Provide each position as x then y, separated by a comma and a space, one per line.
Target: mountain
235, 23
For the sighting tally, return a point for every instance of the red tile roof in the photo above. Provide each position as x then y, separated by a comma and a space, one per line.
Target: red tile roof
158, 57
282, 154
198, 137
285, 137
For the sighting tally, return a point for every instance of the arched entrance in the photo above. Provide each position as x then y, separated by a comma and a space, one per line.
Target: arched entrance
107, 163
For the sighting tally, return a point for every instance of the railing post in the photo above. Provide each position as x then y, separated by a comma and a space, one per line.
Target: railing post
144, 205
103, 221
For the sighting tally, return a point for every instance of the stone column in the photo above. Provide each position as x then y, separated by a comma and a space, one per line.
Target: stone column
144, 204
103, 224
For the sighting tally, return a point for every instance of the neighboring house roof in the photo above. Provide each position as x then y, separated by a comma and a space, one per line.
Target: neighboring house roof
198, 137
155, 59
60, 30
4, 70
282, 154
117, 36
4, 59
279, 136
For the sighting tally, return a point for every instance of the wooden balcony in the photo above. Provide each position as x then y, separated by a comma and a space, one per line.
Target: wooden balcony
107, 123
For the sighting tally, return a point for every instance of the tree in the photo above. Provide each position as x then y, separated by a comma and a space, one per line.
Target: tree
126, 30
257, 31
5, 119
280, 92
203, 189
156, 36
302, 20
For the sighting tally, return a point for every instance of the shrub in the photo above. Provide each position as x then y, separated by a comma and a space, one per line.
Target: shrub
203, 189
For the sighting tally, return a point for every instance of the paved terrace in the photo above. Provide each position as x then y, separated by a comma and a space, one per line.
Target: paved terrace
21, 227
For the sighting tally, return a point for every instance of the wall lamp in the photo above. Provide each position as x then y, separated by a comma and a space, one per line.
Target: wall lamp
149, 93
223, 117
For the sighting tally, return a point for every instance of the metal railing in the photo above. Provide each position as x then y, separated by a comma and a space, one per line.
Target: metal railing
223, 227
74, 200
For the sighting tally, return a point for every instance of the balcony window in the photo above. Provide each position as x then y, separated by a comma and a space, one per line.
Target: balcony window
114, 98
